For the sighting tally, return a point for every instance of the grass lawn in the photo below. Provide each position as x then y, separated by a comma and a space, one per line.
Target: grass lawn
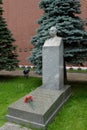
72, 116
77, 71
12, 88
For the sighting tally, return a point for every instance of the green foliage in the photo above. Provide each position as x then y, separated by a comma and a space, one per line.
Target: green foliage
64, 15
8, 56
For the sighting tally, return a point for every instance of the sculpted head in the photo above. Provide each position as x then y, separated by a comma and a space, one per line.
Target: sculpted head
53, 31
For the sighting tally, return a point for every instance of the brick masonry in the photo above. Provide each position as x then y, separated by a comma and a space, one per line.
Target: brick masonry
21, 17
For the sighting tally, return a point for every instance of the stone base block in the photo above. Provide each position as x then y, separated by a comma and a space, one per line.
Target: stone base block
44, 107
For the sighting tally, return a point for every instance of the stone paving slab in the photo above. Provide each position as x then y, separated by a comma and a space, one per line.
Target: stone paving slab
12, 126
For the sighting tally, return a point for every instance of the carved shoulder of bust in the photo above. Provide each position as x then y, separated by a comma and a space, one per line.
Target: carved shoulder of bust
55, 41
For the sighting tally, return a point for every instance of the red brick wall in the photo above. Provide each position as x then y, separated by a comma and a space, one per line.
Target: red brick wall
83, 14
21, 16
83, 9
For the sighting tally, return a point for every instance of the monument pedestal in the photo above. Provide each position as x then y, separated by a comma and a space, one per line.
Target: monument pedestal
48, 98
53, 64
46, 104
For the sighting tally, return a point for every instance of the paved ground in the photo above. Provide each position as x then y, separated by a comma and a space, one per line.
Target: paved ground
17, 73
70, 76
77, 76
11, 126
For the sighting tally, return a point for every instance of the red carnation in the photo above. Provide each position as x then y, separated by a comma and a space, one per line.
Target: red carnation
28, 99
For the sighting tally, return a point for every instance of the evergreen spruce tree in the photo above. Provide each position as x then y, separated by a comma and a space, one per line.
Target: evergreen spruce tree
64, 14
8, 56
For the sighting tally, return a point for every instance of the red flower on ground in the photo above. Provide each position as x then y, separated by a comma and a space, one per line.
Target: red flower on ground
28, 99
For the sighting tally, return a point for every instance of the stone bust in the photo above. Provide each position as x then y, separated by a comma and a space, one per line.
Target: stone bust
53, 41
53, 31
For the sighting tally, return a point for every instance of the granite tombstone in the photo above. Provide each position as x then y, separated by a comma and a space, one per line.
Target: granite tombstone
53, 61
48, 98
